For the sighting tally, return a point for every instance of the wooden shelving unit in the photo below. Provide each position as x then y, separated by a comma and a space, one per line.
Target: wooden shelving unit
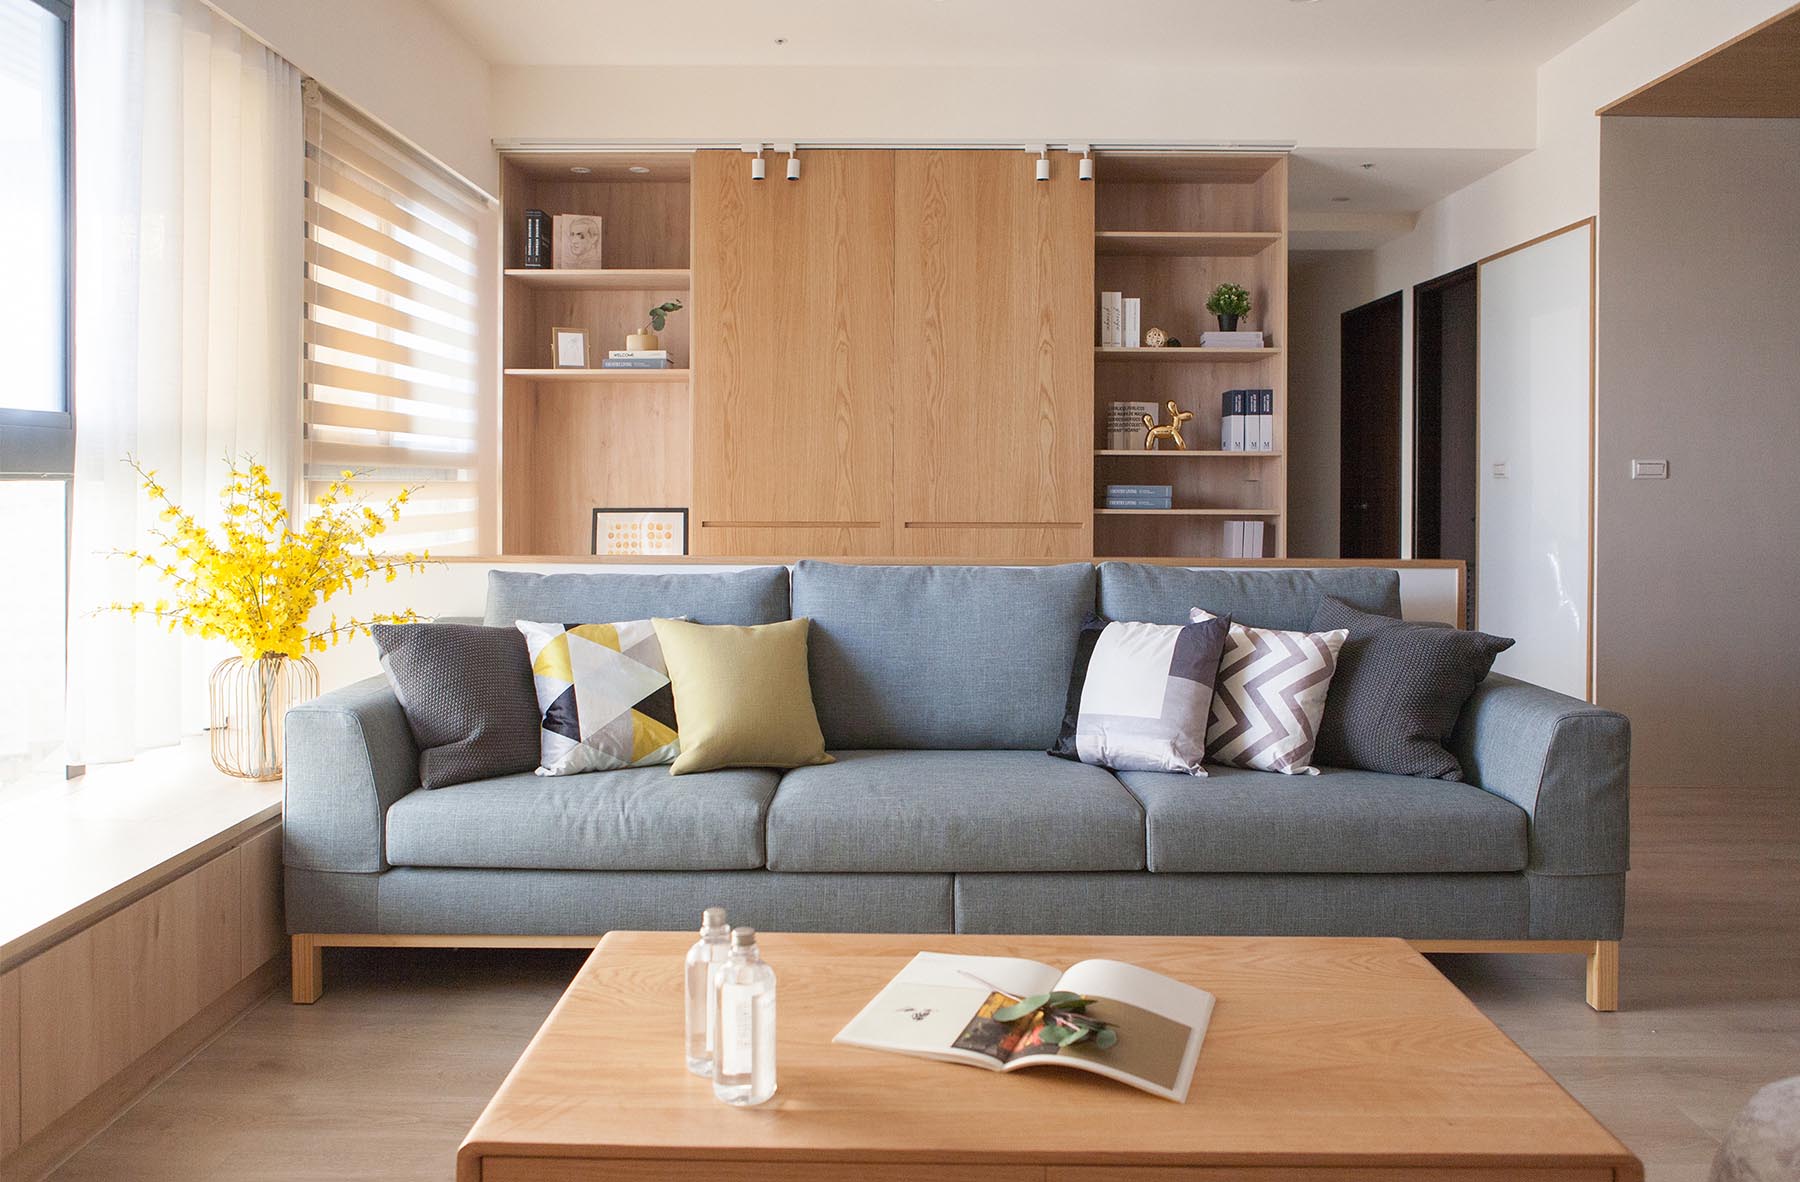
573, 440
1168, 228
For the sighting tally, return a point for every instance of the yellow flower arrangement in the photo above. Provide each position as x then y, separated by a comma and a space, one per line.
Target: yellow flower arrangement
257, 585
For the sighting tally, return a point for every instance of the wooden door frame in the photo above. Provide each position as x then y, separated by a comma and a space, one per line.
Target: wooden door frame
1398, 299
1471, 271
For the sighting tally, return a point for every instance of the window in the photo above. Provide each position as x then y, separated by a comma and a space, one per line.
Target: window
36, 425
391, 325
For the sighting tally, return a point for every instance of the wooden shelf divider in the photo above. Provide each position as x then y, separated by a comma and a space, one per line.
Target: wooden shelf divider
600, 375
1167, 355
1190, 243
1187, 512
604, 279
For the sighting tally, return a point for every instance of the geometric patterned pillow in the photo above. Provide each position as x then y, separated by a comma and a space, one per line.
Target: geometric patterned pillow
1269, 696
1139, 695
604, 693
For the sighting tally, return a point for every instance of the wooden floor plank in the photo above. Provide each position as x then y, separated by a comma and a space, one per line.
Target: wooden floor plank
384, 1076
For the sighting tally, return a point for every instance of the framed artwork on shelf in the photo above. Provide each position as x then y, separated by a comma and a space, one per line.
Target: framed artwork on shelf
577, 241
568, 348
650, 532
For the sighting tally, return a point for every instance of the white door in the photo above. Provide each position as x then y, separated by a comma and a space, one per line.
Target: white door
1536, 448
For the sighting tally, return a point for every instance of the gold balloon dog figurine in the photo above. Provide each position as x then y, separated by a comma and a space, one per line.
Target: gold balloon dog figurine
1170, 430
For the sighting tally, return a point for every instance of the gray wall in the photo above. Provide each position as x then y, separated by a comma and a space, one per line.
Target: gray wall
1697, 576
1322, 285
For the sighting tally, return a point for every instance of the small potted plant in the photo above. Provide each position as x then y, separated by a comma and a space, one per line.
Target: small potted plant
644, 339
1228, 302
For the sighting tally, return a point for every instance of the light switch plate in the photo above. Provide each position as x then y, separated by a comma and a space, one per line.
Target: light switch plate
1500, 470
1649, 469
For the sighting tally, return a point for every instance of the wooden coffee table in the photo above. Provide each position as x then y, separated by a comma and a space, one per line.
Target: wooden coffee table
1326, 1060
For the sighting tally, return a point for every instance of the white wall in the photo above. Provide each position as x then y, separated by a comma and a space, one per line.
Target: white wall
1317, 108
1696, 574
397, 60
1322, 285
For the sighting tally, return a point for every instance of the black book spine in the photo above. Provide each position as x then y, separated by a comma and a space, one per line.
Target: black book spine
537, 238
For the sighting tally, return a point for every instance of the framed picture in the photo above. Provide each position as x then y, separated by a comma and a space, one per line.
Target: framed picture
568, 348
650, 532
577, 240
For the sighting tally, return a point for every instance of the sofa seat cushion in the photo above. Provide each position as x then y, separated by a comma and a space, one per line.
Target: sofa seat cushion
630, 819
1338, 822
938, 811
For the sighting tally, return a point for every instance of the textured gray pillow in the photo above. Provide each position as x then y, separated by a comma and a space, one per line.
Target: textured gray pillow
468, 697
1398, 690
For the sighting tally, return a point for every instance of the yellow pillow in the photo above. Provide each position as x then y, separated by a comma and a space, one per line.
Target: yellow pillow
742, 697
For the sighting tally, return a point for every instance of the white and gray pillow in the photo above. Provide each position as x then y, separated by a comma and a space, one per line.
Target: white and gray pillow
1139, 695
1269, 697
468, 698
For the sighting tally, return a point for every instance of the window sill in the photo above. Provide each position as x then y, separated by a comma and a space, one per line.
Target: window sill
72, 853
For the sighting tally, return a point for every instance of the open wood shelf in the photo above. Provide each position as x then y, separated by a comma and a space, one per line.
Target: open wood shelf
1187, 512
1224, 244
605, 279
1184, 353
1193, 453
600, 375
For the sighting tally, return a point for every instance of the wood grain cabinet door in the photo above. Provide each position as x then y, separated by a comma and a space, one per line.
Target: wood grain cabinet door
793, 356
993, 331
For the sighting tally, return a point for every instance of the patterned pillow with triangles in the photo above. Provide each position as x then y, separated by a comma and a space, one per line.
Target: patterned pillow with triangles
604, 693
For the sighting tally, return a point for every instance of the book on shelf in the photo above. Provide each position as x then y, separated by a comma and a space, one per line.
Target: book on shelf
1139, 503
1265, 420
636, 363
1133, 315
1243, 538
1140, 490
1234, 414
943, 1007
1125, 425
641, 354
1231, 340
1233, 546
1253, 539
1111, 318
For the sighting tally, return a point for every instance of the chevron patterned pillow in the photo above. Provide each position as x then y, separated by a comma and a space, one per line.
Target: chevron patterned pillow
1269, 696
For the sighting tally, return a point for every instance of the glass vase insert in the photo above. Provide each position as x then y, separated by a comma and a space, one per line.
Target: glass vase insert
250, 701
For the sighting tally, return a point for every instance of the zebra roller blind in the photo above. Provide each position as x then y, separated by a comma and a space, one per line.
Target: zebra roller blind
391, 327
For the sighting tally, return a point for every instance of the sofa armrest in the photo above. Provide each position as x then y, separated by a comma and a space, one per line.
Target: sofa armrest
1562, 760
350, 755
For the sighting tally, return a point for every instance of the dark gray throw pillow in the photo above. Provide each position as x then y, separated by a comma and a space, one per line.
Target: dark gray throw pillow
1398, 690
468, 697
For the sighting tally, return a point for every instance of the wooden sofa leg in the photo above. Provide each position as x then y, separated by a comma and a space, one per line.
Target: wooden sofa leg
309, 970
1603, 976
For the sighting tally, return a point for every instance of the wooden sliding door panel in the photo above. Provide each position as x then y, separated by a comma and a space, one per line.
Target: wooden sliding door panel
793, 358
993, 279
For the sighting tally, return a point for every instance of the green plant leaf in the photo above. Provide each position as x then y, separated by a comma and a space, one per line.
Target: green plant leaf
1105, 1038
1021, 1008
1063, 999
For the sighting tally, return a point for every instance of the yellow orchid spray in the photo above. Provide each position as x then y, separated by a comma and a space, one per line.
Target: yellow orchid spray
256, 582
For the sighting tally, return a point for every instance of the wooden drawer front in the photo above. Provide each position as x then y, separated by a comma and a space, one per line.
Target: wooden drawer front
92, 1004
540, 1169
1322, 1174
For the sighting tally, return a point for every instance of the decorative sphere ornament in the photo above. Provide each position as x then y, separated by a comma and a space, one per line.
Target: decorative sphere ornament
1156, 338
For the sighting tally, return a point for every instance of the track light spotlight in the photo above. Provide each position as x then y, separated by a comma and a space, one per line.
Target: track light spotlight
793, 168
758, 170
1086, 166
1043, 167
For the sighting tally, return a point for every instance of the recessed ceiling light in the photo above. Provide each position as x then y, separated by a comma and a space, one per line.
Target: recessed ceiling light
1368, 166
1340, 198
580, 169
637, 168
780, 41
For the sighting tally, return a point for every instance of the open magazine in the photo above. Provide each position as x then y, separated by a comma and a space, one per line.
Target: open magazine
942, 1007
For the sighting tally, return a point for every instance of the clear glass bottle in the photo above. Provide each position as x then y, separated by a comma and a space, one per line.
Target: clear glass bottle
744, 1058
711, 949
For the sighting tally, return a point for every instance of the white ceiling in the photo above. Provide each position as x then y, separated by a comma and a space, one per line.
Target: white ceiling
1245, 33
1401, 179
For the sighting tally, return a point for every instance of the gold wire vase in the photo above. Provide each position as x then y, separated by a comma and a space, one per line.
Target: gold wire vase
250, 701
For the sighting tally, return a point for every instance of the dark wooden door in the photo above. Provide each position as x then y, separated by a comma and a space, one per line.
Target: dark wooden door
1369, 431
1444, 417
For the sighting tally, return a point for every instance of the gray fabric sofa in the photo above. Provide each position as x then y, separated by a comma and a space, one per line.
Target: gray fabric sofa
938, 689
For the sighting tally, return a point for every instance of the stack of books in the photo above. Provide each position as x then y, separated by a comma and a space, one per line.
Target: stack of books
1120, 321
1247, 420
1231, 340
637, 359
1140, 496
1125, 425
1243, 539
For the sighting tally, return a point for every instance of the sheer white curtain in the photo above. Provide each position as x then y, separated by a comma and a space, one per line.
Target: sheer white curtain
189, 165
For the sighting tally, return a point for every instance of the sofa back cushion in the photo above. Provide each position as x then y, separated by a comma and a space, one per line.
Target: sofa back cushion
1280, 599
755, 596
942, 657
